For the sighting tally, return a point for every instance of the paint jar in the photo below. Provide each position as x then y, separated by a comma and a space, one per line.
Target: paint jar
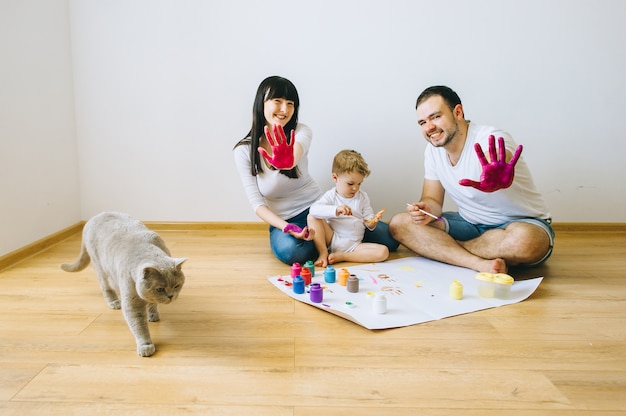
486, 286
317, 293
502, 283
352, 284
380, 303
295, 270
329, 274
298, 285
306, 276
456, 290
343, 277
309, 265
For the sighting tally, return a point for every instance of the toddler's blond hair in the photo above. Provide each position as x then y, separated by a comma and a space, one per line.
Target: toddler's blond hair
347, 161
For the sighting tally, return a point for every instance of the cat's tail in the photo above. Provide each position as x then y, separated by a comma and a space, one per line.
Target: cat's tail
81, 262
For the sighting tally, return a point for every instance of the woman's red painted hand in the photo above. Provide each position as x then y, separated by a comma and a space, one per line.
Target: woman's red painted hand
282, 151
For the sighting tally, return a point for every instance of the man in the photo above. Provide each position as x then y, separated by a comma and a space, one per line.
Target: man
501, 221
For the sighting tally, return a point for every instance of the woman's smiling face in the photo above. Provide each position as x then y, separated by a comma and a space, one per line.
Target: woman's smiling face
278, 111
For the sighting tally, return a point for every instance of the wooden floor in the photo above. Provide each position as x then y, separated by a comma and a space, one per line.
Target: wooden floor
232, 344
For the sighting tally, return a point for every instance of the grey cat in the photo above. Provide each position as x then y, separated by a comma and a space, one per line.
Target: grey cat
134, 262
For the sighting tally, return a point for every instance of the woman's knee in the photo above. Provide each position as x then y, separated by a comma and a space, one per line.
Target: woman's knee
291, 250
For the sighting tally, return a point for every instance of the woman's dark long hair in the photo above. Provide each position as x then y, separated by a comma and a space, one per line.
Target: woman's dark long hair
270, 88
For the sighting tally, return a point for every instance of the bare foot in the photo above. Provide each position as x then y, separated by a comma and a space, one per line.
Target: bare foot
336, 257
498, 266
492, 266
322, 260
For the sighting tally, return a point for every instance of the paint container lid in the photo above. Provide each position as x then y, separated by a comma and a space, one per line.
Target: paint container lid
485, 277
503, 279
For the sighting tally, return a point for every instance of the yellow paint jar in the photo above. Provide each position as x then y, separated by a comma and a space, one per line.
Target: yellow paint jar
486, 286
456, 290
342, 277
502, 285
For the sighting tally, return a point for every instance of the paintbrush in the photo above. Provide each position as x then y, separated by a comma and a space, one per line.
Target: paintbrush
426, 213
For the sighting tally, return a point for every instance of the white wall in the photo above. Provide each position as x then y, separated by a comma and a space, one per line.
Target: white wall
38, 160
163, 90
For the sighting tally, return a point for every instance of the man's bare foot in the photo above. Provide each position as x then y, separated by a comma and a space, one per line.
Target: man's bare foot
499, 266
491, 266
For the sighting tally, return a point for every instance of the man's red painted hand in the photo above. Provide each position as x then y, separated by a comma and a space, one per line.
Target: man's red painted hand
497, 174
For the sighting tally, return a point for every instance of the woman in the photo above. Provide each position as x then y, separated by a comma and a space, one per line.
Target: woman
272, 161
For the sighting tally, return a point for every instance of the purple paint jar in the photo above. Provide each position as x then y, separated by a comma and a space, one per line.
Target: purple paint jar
317, 293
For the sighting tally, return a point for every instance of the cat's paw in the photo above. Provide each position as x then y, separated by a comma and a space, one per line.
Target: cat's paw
115, 304
153, 313
146, 350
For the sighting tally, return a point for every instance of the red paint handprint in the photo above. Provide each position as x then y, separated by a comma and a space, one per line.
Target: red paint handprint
282, 151
497, 174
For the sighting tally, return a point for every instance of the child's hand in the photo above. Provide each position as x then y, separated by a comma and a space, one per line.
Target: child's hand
371, 223
343, 210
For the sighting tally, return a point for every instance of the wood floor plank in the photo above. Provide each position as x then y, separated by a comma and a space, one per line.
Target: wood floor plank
320, 386
14, 376
567, 328
144, 409
469, 354
42, 324
413, 411
593, 390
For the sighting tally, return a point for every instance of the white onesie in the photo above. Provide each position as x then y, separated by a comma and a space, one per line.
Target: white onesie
348, 230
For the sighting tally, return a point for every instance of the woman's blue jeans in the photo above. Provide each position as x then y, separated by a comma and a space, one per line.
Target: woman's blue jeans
291, 250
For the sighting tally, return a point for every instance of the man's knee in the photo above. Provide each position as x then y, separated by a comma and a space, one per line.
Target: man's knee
397, 223
532, 243
536, 250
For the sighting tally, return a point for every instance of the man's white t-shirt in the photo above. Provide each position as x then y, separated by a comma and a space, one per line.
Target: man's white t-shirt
520, 200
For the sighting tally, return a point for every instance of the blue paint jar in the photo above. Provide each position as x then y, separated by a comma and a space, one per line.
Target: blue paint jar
330, 274
298, 285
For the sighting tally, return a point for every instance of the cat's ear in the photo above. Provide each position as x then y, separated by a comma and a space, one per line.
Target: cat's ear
179, 262
150, 271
